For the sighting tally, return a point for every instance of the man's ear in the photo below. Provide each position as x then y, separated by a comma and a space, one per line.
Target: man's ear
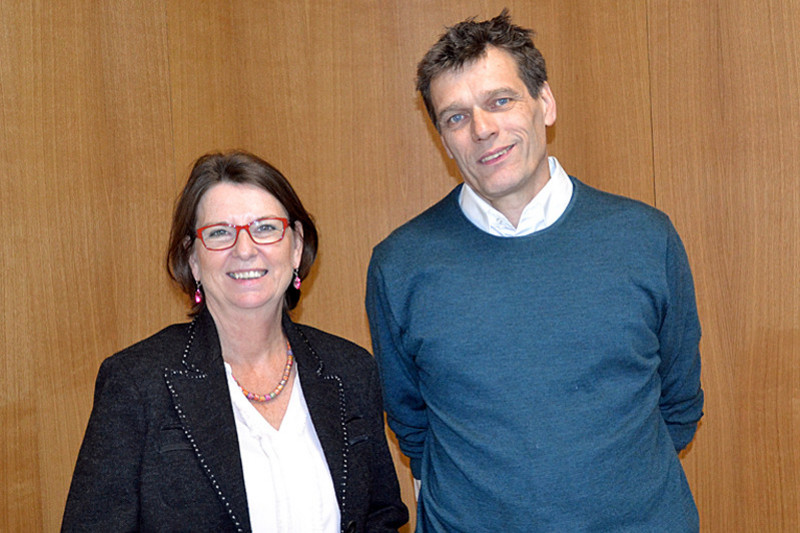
548, 104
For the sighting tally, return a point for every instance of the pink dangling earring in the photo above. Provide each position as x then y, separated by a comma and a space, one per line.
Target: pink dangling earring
297, 281
198, 295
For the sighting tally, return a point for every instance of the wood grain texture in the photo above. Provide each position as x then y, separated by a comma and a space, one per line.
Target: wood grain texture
725, 128
691, 107
86, 148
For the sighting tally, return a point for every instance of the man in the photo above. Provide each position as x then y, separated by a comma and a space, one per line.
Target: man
537, 338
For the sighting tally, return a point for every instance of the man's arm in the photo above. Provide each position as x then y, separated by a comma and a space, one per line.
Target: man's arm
405, 408
681, 395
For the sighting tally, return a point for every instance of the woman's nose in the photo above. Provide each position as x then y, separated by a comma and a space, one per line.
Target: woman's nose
244, 246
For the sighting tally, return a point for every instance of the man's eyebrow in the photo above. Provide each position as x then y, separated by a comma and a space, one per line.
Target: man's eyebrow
502, 91
449, 109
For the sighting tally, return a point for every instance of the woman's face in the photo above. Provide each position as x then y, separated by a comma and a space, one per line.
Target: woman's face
248, 277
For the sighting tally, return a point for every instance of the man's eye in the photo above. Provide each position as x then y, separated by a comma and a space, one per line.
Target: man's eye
500, 102
455, 119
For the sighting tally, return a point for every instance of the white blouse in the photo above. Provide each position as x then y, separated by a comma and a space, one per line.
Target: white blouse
289, 487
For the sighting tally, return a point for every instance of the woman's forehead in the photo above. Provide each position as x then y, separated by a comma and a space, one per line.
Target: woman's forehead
237, 203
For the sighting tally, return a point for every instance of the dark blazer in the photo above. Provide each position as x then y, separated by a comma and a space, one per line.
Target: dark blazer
161, 452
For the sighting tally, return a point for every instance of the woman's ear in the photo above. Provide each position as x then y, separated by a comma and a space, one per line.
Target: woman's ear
297, 252
194, 264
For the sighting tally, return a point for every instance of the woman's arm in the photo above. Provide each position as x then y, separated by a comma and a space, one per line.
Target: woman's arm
104, 494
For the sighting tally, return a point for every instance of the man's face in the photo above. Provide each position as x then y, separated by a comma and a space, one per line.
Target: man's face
495, 130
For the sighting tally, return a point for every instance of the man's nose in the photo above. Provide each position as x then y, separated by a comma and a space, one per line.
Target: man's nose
483, 125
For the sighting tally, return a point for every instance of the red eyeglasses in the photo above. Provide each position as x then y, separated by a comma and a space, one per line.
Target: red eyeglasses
262, 231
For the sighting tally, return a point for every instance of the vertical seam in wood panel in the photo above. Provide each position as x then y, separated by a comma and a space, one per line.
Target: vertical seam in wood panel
170, 95
650, 100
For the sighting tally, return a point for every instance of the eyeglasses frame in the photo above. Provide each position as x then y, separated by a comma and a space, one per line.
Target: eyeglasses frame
238, 228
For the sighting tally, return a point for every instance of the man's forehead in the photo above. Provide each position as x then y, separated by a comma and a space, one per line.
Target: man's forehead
462, 85
492, 60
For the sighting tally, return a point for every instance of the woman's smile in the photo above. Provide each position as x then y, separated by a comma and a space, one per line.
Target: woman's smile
247, 274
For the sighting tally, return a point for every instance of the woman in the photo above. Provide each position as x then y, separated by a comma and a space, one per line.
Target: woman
241, 420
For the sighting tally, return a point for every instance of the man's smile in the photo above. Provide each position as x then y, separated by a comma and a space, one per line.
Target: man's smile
495, 156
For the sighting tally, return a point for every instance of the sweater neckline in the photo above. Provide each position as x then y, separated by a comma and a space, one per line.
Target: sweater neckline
452, 203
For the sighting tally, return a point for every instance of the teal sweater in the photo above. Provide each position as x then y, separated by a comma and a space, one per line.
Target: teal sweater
546, 382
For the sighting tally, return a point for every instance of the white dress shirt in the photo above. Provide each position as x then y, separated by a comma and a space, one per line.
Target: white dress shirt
289, 487
540, 213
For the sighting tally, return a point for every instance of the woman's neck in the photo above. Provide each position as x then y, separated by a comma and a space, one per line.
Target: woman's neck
251, 338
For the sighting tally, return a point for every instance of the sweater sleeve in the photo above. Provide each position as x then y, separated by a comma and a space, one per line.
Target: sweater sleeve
679, 336
405, 408
104, 493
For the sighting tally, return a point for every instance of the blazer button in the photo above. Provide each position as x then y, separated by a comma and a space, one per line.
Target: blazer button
351, 527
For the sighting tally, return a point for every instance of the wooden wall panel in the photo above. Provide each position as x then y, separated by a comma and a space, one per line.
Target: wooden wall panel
597, 61
726, 87
86, 147
104, 107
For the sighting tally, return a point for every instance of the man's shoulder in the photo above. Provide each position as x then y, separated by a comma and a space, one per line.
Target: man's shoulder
601, 205
423, 229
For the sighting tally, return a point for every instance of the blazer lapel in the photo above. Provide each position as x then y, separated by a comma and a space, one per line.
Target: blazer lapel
200, 395
325, 398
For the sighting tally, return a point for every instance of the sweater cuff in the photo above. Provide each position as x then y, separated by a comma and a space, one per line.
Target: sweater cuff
416, 467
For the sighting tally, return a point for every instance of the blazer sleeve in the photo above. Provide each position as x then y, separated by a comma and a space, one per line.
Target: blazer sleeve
104, 493
387, 512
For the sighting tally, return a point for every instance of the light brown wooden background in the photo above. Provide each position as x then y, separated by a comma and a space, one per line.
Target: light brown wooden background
690, 106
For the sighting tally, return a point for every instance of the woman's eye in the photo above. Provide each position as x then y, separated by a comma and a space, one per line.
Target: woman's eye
216, 233
264, 227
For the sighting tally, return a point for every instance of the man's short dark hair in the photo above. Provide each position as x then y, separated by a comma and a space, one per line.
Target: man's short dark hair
467, 41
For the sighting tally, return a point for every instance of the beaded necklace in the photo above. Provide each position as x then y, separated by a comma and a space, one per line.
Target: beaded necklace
272, 395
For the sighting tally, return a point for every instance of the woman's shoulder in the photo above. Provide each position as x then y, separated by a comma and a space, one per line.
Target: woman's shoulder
160, 350
335, 352
318, 337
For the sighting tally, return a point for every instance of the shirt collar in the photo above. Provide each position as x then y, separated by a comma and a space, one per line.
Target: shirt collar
540, 213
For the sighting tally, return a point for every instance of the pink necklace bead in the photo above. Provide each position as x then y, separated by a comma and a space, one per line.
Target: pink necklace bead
272, 395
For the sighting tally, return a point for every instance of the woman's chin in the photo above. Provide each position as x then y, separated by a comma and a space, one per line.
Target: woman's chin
247, 303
